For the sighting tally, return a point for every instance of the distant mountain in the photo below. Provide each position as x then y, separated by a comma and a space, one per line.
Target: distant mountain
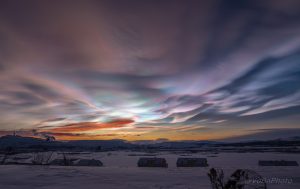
30, 143
19, 141
280, 142
294, 138
37, 143
183, 144
100, 143
288, 139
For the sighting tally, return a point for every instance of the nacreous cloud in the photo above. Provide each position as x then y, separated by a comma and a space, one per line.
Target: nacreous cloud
149, 69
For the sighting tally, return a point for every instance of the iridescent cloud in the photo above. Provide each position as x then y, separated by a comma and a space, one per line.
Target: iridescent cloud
152, 69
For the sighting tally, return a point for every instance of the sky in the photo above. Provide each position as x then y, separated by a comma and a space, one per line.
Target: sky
151, 69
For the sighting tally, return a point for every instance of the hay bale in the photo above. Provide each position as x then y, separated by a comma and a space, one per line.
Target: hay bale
89, 162
191, 162
152, 162
278, 163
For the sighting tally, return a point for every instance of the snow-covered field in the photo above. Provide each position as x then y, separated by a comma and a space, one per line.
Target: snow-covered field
120, 171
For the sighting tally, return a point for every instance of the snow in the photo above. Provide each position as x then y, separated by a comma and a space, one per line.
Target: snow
120, 171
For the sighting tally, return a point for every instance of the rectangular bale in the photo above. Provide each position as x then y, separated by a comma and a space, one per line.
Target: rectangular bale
278, 163
152, 162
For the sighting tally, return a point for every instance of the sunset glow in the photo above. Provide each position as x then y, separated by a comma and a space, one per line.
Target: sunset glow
144, 70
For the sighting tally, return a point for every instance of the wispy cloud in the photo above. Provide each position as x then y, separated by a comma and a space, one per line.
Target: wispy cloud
90, 126
170, 65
